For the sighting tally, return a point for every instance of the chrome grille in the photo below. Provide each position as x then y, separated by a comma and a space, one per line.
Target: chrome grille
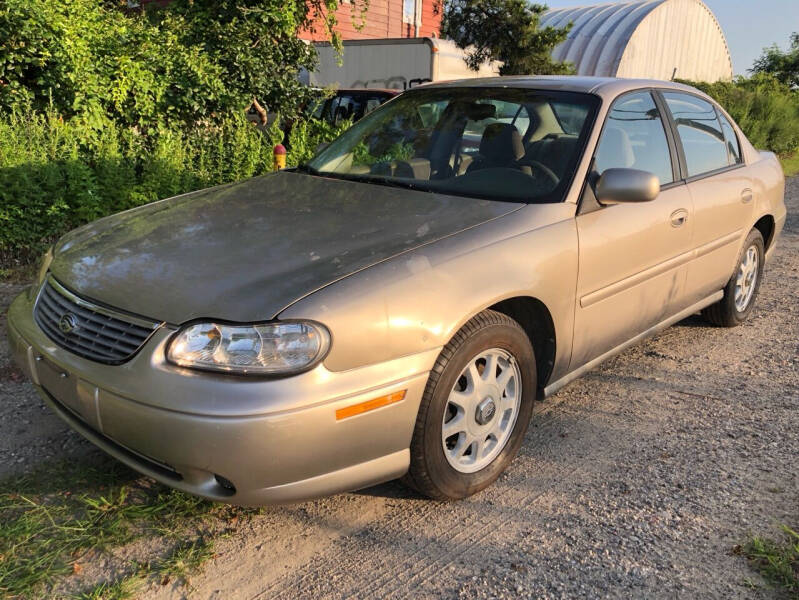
88, 330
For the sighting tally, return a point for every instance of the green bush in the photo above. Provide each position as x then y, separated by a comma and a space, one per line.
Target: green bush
192, 61
103, 109
766, 110
306, 135
57, 174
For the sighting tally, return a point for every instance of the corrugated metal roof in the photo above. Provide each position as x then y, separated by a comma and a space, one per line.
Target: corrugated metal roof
648, 38
608, 87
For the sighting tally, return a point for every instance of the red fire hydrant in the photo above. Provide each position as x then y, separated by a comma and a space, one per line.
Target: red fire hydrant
280, 157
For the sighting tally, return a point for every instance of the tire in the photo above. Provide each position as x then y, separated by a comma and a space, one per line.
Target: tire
730, 311
443, 474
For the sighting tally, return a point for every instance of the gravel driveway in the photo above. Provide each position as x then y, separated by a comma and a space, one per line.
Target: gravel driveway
635, 481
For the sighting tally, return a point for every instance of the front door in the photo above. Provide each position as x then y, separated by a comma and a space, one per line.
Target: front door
632, 257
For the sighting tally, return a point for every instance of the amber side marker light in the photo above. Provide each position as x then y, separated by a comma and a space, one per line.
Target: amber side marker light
362, 407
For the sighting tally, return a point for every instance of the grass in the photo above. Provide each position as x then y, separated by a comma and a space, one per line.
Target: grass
121, 589
185, 560
777, 561
55, 521
790, 164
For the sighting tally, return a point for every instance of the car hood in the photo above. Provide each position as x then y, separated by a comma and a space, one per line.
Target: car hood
243, 252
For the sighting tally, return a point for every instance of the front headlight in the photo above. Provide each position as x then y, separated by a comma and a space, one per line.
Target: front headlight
265, 349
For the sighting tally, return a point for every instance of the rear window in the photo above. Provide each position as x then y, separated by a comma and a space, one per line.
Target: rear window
570, 116
511, 113
733, 148
700, 132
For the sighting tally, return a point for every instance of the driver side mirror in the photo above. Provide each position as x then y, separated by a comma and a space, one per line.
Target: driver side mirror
622, 186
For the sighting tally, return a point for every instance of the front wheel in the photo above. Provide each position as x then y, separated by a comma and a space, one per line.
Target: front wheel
475, 409
741, 290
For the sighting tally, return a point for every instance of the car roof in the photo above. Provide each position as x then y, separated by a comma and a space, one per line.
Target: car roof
389, 91
608, 87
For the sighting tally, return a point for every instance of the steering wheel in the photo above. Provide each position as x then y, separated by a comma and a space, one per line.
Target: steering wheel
550, 174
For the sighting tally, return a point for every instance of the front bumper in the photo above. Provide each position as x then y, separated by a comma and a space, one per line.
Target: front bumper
274, 440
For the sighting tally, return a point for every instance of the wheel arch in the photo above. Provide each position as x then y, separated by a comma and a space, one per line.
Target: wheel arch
536, 320
765, 225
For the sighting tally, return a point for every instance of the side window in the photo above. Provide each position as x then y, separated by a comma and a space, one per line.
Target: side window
733, 149
634, 138
371, 104
315, 108
431, 112
700, 132
329, 108
348, 108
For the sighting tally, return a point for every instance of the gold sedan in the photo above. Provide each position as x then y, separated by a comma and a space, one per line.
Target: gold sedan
395, 307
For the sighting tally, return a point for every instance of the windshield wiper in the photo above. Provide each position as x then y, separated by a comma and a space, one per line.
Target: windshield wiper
379, 180
376, 179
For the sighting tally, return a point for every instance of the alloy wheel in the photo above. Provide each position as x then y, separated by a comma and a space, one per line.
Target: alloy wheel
481, 410
746, 280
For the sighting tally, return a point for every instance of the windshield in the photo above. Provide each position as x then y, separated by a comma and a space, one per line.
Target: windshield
505, 144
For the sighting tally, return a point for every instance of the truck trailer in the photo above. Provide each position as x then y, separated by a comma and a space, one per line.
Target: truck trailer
398, 63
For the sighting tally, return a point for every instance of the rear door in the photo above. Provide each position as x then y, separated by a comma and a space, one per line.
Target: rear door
633, 257
720, 188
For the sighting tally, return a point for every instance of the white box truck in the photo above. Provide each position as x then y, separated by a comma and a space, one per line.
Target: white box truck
397, 64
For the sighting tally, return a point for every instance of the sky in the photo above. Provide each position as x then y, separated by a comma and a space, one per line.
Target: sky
749, 25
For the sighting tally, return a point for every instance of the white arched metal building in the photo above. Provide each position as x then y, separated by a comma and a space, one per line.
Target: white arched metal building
657, 39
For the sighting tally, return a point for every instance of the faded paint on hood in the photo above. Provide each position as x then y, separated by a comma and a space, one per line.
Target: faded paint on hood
245, 251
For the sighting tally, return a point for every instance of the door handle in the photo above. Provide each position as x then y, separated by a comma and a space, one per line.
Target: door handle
679, 217
746, 195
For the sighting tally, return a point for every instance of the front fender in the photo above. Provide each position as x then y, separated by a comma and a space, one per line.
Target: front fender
417, 301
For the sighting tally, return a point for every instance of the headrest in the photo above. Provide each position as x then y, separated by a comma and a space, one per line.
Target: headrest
616, 147
501, 144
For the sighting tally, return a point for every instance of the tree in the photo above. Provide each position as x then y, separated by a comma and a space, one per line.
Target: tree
782, 65
504, 30
185, 63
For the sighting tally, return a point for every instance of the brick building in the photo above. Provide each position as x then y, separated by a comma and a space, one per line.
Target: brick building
383, 19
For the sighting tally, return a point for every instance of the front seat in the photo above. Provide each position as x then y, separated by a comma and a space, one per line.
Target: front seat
500, 147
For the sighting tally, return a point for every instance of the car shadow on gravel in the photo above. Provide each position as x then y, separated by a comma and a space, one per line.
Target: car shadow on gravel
696, 320
92, 472
393, 490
